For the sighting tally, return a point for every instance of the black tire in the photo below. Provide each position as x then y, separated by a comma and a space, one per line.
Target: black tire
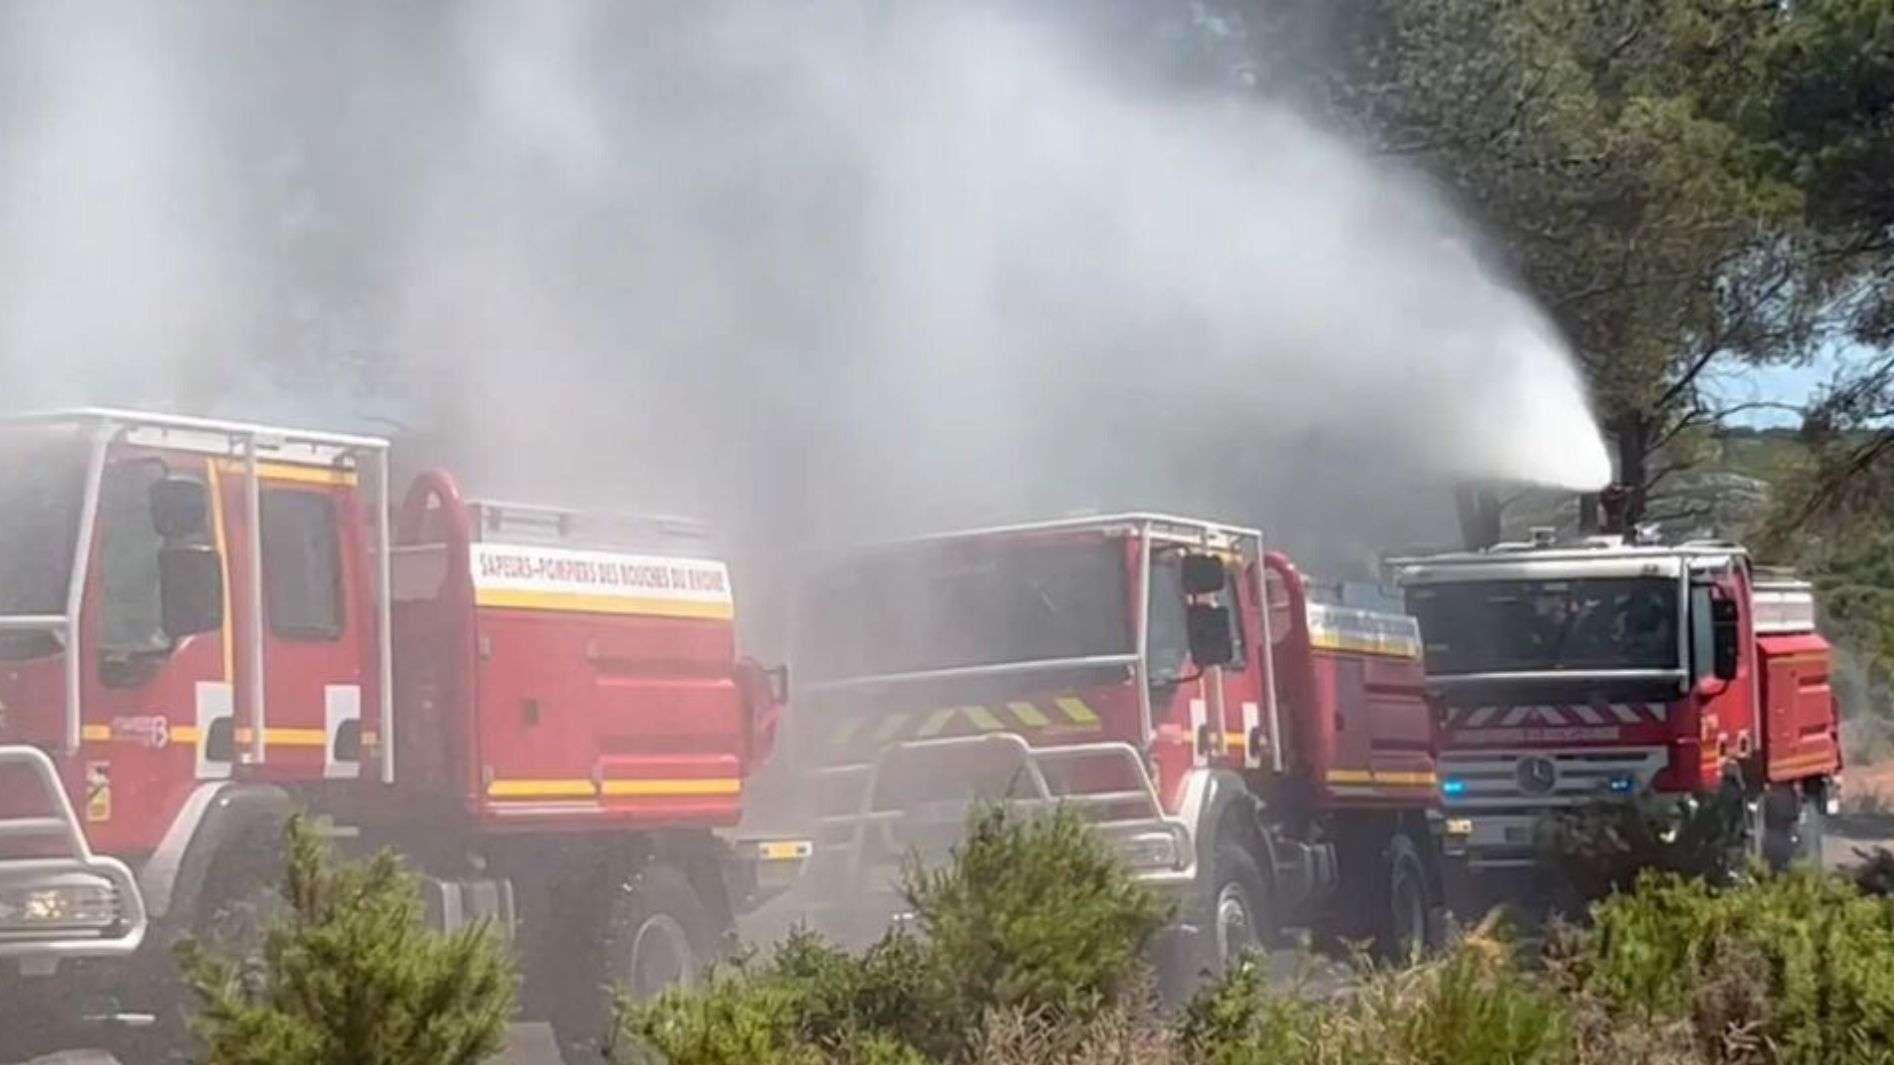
1813, 831
1793, 826
242, 897
1409, 914
1231, 911
657, 933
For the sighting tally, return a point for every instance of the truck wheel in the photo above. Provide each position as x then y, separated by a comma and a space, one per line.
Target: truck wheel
1814, 826
1232, 922
1793, 818
1409, 915
659, 933
656, 934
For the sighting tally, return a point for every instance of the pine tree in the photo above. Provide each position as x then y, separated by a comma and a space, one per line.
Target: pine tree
350, 974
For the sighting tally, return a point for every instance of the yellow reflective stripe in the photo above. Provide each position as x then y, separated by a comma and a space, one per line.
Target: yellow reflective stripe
1029, 715
1076, 709
983, 718
223, 555
285, 471
602, 604
95, 733
541, 789
891, 728
936, 721
1363, 776
1235, 740
184, 733
287, 737
842, 735
680, 786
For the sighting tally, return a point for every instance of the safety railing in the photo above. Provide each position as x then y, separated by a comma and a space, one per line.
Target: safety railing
1114, 794
57, 899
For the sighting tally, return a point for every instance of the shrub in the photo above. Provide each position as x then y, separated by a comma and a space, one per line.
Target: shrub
1471, 1006
1601, 849
351, 974
1031, 917
1035, 913
1801, 964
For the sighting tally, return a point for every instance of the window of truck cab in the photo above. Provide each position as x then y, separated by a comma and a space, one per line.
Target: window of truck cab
42, 480
131, 614
1521, 626
302, 565
976, 602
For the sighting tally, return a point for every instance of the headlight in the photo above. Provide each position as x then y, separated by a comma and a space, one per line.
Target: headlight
48, 907
1166, 848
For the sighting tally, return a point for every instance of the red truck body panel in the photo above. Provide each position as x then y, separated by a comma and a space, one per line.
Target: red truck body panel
566, 698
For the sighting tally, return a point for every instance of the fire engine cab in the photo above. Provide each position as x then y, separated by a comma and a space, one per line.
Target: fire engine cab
1614, 667
207, 625
1260, 755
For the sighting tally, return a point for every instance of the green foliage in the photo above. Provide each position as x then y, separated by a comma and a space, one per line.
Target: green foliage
1033, 912
1473, 1006
1802, 964
1604, 848
352, 975
1030, 917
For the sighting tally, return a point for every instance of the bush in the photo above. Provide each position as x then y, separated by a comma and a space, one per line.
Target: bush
1602, 849
1032, 917
1471, 1006
351, 974
1033, 913
1799, 967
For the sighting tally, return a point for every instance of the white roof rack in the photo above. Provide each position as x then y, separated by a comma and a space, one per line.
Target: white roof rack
1783, 607
210, 436
529, 523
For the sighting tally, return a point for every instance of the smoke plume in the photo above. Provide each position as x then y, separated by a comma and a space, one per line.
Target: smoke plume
814, 272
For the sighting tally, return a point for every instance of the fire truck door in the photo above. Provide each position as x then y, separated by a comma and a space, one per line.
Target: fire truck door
143, 694
1243, 679
316, 620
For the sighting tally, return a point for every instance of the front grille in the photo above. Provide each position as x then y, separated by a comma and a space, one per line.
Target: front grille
1521, 781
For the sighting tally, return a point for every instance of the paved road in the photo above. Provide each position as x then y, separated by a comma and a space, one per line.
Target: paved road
532, 1044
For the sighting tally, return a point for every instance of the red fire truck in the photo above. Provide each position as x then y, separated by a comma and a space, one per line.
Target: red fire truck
207, 625
1263, 757
1612, 667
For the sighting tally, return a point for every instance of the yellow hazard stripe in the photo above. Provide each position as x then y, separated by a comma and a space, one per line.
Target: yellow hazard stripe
983, 718
1076, 710
286, 471
936, 722
891, 728
674, 787
1364, 776
602, 604
541, 789
1029, 715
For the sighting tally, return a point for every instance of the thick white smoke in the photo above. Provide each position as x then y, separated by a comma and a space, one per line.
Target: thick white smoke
814, 272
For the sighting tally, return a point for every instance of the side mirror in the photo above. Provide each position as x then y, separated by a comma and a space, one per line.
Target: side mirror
190, 589
180, 507
778, 684
1202, 574
1724, 633
1209, 630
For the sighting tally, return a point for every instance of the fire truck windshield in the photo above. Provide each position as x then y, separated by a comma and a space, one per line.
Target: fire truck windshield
41, 479
1533, 626
966, 603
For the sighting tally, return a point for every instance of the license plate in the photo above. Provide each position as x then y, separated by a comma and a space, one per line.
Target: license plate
784, 850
